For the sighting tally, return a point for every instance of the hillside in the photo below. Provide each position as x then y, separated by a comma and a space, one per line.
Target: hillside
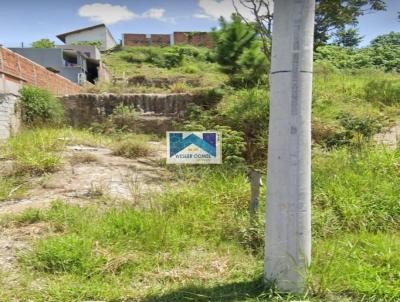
167, 69
96, 214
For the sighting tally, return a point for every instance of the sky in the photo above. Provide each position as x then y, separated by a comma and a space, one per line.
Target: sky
30, 20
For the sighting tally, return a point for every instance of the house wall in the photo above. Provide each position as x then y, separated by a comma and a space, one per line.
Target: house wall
71, 73
88, 50
95, 34
16, 71
47, 57
53, 57
110, 42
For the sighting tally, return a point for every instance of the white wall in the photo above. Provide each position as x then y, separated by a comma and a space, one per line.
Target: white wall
7, 86
95, 34
110, 40
10, 115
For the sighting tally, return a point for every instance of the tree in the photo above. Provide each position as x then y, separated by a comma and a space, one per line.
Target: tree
348, 38
261, 11
330, 16
43, 43
239, 52
390, 39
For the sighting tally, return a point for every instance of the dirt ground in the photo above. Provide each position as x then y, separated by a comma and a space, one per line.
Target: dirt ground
104, 175
114, 177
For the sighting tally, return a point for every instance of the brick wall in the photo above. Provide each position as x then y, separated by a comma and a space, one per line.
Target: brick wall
160, 40
16, 68
201, 39
136, 40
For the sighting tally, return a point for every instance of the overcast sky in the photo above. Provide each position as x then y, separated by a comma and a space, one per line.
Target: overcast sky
30, 20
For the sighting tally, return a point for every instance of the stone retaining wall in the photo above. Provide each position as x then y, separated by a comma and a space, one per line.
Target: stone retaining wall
84, 109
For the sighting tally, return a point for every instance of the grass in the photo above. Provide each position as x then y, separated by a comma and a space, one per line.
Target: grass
12, 187
356, 191
194, 241
339, 92
150, 65
364, 266
38, 151
132, 148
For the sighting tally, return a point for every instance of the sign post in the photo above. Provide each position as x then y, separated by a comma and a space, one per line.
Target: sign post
288, 217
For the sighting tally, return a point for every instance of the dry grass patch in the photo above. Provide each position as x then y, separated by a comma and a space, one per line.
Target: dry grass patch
132, 148
82, 158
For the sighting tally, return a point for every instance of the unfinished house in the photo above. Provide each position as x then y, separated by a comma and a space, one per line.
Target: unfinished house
97, 33
78, 63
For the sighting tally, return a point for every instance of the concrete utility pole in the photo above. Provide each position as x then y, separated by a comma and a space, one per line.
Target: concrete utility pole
288, 225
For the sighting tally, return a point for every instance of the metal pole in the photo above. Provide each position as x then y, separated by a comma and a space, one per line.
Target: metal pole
288, 218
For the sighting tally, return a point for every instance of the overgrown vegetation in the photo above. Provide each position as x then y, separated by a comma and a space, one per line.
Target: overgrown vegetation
238, 51
155, 69
43, 43
40, 107
194, 241
132, 148
197, 235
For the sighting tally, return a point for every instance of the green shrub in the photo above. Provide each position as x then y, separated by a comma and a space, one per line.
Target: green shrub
355, 131
324, 68
247, 111
383, 91
381, 56
40, 106
239, 53
123, 119
189, 68
233, 144
134, 57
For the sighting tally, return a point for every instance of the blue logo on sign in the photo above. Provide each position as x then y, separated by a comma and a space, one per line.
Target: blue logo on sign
207, 143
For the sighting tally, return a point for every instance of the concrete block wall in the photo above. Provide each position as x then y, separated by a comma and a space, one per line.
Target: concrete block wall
200, 39
10, 115
17, 69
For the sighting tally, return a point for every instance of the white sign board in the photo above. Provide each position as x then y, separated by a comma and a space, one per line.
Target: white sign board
186, 147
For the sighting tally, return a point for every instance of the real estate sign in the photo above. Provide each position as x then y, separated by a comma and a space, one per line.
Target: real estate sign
185, 147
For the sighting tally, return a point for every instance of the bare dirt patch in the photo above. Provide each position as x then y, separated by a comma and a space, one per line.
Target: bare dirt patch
103, 175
